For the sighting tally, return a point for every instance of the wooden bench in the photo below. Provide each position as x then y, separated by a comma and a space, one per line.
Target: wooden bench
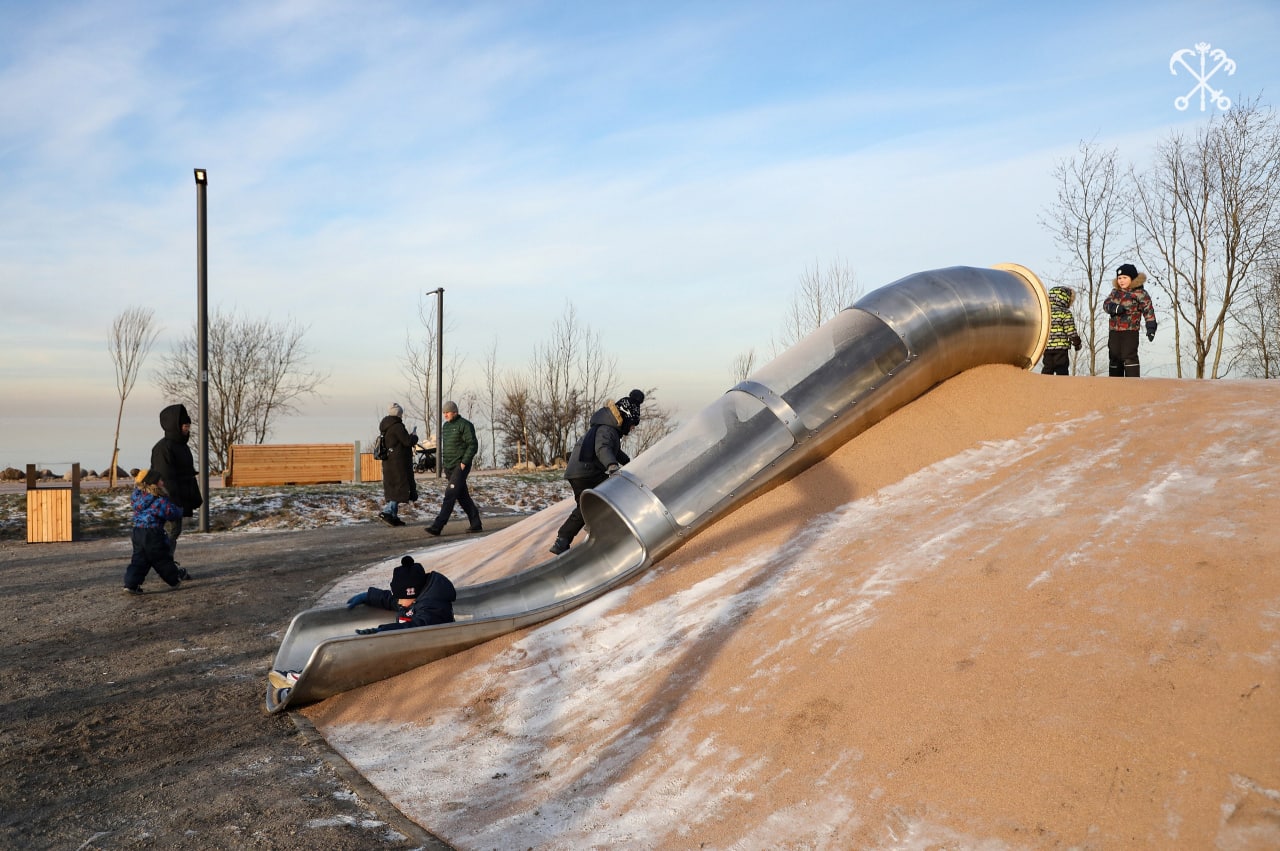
293, 464
53, 513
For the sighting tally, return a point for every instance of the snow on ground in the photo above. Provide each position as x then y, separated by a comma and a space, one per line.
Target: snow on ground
256, 509
1032, 632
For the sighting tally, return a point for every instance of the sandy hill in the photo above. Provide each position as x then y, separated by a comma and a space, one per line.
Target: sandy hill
1023, 612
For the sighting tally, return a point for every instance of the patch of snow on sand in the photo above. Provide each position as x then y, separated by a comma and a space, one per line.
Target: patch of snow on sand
571, 674
521, 776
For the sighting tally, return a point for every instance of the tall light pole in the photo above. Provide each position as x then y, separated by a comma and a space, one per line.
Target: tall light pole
439, 291
202, 296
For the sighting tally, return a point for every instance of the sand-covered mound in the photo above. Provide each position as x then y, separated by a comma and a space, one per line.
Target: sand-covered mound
1023, 612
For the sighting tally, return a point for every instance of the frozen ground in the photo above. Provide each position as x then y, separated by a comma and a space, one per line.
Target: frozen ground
106, 512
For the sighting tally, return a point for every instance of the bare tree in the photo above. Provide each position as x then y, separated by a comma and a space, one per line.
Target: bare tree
132, 335
540, 415
258, 369
491, 390
656, 422
1086, 219
1208, 215
572, 375
819, 296
557, 404
513, 420
743, 364
1257, 317
419, 367
596, 372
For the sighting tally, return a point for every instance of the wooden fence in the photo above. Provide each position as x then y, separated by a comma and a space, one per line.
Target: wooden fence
297, 464
370, 468
53, 513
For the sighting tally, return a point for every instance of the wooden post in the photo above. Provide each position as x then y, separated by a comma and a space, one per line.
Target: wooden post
75, 501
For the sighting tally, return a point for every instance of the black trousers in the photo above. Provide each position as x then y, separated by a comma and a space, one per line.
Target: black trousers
150, 550
173, 528
1056, 362
574, 522
456, 493
1122, 354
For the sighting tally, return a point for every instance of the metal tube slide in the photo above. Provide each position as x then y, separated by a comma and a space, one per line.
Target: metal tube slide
890, 347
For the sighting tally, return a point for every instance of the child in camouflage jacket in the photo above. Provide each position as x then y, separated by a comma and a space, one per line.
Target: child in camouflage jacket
1128, 305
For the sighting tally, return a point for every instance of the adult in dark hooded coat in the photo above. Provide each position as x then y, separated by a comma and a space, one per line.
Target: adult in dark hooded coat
398, 484
597, 455
172, 462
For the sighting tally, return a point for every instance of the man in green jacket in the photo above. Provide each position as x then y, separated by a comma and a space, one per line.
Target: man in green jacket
458, 446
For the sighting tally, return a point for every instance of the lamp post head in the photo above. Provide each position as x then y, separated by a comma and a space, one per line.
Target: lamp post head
202, 177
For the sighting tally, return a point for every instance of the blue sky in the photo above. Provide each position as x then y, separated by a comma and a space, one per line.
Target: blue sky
669, 169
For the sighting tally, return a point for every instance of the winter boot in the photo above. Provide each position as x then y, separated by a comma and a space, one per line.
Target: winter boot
560, 546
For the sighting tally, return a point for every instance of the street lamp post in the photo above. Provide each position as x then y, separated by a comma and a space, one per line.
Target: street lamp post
202, 296
439, 291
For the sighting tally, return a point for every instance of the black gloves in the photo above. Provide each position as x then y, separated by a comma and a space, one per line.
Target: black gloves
1112, 308
362, 597
1075, 342
611, 469
370, 631
1151, 330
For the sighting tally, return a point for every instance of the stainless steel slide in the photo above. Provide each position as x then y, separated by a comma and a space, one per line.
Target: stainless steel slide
892, 346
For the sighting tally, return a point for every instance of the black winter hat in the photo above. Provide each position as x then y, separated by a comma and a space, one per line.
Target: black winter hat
408, 579
629, 406
1127, 269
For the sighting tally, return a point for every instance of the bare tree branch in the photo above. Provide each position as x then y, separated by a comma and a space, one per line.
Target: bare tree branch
132, 335
1085, 219
819, 296
1208, 214
258, 369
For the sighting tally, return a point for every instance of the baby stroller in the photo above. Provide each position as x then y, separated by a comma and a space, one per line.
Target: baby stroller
424, 458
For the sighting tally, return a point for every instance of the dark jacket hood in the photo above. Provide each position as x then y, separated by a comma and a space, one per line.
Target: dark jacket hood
172, 419
609, 415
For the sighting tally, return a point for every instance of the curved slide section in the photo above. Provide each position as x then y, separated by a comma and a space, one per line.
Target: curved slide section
892, 346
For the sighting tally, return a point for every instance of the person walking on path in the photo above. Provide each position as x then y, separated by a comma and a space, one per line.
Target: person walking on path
151, 550
596, 456
1062, 332
398, 484
1127, 306
172, 463
458, 447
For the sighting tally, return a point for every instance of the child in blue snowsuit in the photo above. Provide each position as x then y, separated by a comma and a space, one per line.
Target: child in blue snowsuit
151, 509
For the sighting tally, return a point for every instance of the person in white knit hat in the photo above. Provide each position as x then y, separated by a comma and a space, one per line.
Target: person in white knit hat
398, 484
